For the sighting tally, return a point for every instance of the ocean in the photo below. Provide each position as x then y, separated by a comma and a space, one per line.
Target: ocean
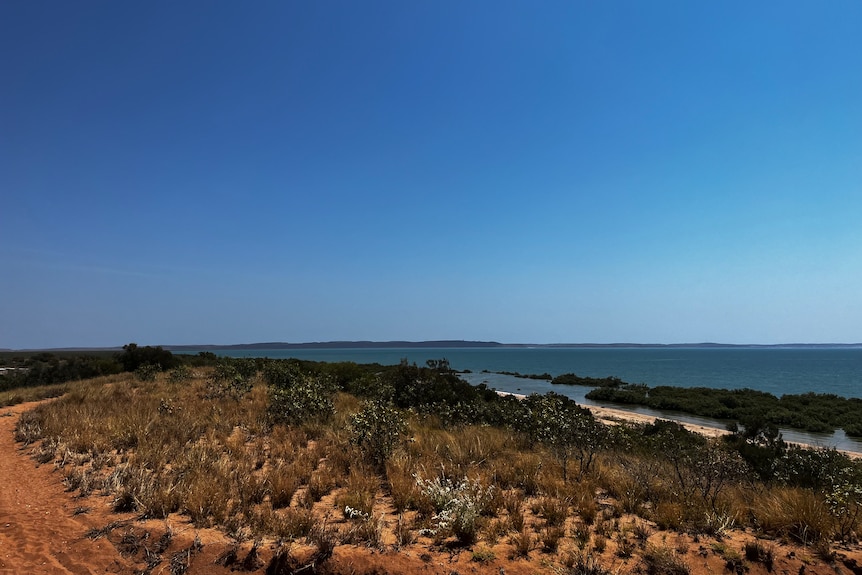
777, 371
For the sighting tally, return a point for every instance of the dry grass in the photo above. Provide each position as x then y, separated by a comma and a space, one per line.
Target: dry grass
360, 491
664, 561
158, 448
796, 514
27, 394
522, 543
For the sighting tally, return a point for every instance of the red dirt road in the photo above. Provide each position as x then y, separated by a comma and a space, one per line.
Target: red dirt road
39, 532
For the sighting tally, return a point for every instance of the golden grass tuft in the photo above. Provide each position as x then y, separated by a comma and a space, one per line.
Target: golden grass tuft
796, 514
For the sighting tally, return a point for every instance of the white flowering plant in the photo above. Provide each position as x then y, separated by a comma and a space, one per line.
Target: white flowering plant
458, 506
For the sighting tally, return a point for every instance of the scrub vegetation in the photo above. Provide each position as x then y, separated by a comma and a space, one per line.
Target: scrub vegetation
816, 412
393, 456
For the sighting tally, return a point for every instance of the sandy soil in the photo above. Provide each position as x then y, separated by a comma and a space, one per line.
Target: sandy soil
39, 531
46, 530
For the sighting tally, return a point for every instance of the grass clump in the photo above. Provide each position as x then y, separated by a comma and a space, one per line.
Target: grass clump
584, 564
27, 394
522, 543
664, 561
757, 552
482, 555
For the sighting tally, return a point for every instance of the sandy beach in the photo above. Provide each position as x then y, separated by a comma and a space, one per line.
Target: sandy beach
612, 416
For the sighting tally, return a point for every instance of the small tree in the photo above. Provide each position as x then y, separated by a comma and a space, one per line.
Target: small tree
701, 468
441, 365
759, 443
377, 430
134, 356
714, 469
567, 429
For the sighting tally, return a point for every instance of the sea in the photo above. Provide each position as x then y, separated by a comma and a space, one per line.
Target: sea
776, 370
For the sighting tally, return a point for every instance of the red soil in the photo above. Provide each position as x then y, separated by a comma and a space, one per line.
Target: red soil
46, 530
39, 532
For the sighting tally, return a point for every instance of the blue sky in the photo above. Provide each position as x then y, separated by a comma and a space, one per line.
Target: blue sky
220, 172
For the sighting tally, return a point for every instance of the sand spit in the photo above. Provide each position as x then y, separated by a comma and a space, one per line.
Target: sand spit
613, 416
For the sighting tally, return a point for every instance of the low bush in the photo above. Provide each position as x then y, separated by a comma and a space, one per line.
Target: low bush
307, 400
458, 505
377, 430
180, 374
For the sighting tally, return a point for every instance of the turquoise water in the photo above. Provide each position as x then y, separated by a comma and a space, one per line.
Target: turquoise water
775, 370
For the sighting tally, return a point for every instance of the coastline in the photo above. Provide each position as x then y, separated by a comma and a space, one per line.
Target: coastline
613, 416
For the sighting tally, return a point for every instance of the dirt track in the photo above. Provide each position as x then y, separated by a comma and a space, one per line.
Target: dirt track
39, 532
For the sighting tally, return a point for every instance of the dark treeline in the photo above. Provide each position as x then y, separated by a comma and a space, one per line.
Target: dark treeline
542, 376
47, 368
572, 379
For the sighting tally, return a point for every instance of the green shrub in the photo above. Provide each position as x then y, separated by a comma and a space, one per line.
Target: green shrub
147, 372
229, 381
569, 430
844, 499
483, 555
377, 430
180, 374
306, 400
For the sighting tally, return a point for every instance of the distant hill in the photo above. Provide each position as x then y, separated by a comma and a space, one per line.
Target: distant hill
342, 345
458, 343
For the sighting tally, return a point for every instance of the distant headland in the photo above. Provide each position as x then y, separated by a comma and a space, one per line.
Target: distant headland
459, 343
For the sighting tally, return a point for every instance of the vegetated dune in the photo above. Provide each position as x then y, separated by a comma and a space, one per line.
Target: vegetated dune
84, 508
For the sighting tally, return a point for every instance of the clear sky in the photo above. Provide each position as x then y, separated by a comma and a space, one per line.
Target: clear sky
623, 171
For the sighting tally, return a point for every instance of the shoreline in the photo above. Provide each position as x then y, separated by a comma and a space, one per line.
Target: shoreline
613, 416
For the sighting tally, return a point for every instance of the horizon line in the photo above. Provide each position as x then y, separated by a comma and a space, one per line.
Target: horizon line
347, 344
